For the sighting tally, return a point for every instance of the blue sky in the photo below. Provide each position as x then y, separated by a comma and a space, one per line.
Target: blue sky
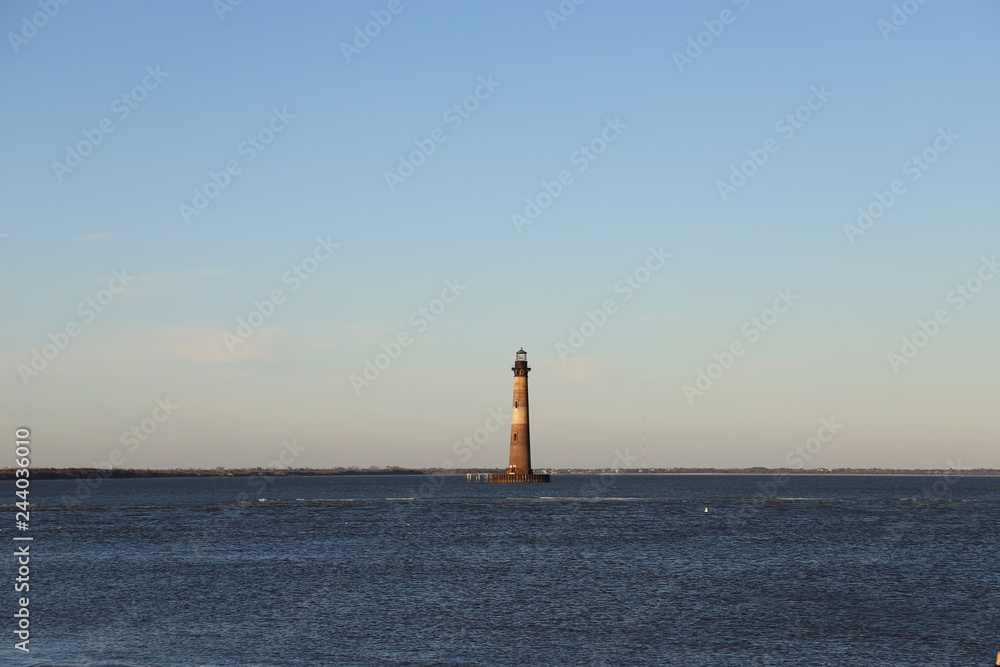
605, 100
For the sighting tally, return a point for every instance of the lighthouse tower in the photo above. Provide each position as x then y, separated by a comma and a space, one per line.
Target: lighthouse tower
520, 435
519, 469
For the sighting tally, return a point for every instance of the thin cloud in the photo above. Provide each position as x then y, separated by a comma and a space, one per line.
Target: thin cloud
369, 341
213, 347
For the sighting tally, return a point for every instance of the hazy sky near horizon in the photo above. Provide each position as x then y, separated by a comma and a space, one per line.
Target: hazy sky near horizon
741, 218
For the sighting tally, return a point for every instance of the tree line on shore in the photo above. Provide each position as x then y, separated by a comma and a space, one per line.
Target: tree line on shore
126, 473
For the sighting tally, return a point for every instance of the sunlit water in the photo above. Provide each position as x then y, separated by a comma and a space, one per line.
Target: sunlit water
586, 570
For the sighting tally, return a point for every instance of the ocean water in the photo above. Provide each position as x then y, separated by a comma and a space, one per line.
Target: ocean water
587, 570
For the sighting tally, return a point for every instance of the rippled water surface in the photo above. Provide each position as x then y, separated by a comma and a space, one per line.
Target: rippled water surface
587, 570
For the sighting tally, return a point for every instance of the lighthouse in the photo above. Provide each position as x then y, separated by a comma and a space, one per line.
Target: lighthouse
519, 468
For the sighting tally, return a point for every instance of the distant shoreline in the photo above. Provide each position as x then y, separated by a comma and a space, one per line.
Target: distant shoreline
92, 473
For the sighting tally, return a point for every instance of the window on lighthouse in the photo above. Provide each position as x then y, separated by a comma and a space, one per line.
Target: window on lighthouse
515, 402
515, 437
